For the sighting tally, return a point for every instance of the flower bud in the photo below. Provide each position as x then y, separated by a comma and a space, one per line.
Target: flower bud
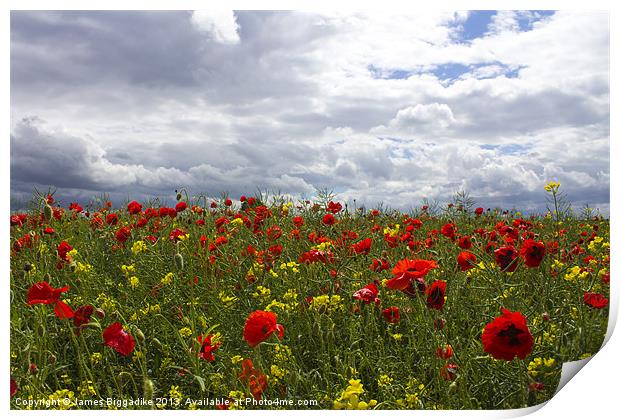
178, 262
51, 359
139, 334
149, 389
100, 313
47, 212
157, 344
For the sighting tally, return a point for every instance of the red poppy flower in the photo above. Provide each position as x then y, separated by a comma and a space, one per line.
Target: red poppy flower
181, 206
82, 315
391, 315
175, 234
298, 221
63, 248
111, 219
49, 231
274, 232
334, 207
367, 294
466, 260
134, 207
363, 246
117, 338
595, 300
259, 326
207, 347
464, 242
533, 252
407, 270
14, 387
508, 336
329, 219
435, 295
448, 372
123, 234
444, 352
256, 380
479, 211
75, 207
448, 230
228, 202
43, 293
506, 257
379, 265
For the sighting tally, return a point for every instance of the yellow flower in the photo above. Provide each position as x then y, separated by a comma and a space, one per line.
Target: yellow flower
552, 186
236, 359
96, 358
384, 381
82, 268
185, 332
127, 269
167, 279
134, 282
262, 292
138, 247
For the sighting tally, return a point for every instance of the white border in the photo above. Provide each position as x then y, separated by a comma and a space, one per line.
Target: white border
592, 394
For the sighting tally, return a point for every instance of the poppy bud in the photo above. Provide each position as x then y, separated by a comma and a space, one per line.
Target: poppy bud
27, 267
100, 313
149, 389
439, 323
40, 330
51, 359
545, 316
139, 334
157, 344
178, 261
179, 196
33, 368
47, 212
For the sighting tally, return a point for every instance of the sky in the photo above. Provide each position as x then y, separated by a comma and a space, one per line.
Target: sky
383, 108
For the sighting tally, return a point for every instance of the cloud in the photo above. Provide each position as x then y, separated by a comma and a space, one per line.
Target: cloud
221, 24
145, 102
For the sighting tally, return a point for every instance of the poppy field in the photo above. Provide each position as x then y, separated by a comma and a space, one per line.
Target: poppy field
274, 303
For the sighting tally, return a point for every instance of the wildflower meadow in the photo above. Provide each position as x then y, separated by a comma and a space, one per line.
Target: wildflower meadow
265, 302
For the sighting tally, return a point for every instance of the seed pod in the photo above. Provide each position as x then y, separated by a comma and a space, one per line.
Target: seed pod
139, 334
51, 359
178, 261
149, 389
47, 212
27, 267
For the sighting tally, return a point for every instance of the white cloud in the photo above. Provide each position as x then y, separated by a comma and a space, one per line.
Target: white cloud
221, 24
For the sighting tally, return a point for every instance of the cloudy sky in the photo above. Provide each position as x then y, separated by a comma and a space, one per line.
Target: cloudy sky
378, 107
